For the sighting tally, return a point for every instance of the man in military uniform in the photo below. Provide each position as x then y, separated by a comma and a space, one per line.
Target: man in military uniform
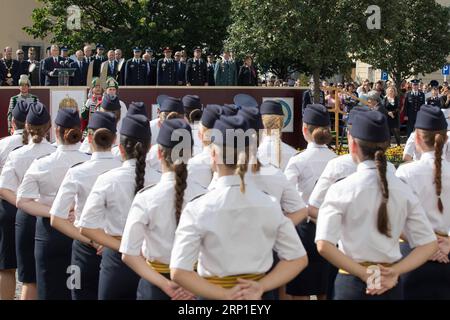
9, 69
308, 96
50, 64
196, 70
225, 71
413, 101
210, 70
166, 70
180, 67
135, 70
65, 59
24, 94
99, 58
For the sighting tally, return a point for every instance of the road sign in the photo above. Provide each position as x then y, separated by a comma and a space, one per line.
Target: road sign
446, 70
384, 76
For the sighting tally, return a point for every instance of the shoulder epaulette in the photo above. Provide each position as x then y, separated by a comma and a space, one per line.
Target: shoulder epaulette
300, 152
196, 197
17, 148
146, 188
77, 164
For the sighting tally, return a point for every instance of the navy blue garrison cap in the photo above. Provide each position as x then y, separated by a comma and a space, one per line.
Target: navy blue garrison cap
37, 114
173, 132
431, 118
68, 118
316, 115
137, 108
191, 101
161, 98
225, 126
105, 120
252, 117
271, 107
110, 103
20, 111
354, 111
171, 104
243, 100
370, 127
229, 110
210, 115
136, 126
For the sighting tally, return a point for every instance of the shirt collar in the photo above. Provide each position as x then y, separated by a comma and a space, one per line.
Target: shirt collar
129, 163
228, 181
69, 147
427, 155
102, 155
312, 145
366, 165
17, 132
168, 176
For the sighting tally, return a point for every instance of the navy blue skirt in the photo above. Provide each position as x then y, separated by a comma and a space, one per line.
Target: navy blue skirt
25, 231
314, 279
349, 287
85, 258
7, 236
148, 291
53, 251
117, 281
431, 281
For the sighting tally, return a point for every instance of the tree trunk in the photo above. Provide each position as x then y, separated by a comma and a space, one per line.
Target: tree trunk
316, 78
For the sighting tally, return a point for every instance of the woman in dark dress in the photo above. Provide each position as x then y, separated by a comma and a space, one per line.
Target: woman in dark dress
392, 105
248, 76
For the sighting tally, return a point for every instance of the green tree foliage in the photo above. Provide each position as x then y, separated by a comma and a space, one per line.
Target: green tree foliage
127, 23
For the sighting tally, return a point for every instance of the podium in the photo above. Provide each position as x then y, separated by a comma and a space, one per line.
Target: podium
64, 75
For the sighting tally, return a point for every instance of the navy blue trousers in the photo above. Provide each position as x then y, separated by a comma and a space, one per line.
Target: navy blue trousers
25, 232
148, 291
7, 236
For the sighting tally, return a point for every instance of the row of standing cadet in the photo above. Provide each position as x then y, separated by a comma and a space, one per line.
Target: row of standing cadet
146, 221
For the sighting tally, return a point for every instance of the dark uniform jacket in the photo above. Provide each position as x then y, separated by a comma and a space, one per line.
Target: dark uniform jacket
196, 72
180, 68
413, 102
97, 65
80, 76
135, 72
166, 72
308, 98
12, 67
248, 76
150, 79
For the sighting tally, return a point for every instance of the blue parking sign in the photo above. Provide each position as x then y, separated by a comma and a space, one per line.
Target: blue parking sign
384, 76
446, 70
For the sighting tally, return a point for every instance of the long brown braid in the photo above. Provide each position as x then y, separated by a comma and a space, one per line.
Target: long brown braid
376, 151
136, 150
436, 140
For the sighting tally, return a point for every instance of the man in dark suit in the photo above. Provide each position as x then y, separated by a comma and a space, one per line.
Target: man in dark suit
151, 70
413, 101
9, 69
308, 96
210, 69
135, 70
81, 70
196, 70
166, 70
41, 67
99, 58
50, 64
180, 67
23, 64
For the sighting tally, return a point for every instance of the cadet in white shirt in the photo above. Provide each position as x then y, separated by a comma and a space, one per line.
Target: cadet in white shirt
35, 196
8, 262
366, 213
232, 231
199, 167
171, 108
106, 209
303, 171
272, 150
35, 145
155, 123
193, 113
150, 230
429, 178
72, 196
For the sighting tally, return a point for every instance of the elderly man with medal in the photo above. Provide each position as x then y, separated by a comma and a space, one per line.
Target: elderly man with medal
9, 69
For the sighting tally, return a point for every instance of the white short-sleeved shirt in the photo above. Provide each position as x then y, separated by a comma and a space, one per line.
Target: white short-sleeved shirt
271, 180
154, 127
304, 169
199, 168
419, 175
20, 160
78, 182
349, 216
410, 148
152, 158
268, 152
151, 222
336, 170
111, 196
8, 144
233, 233
44, 176
198, 145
